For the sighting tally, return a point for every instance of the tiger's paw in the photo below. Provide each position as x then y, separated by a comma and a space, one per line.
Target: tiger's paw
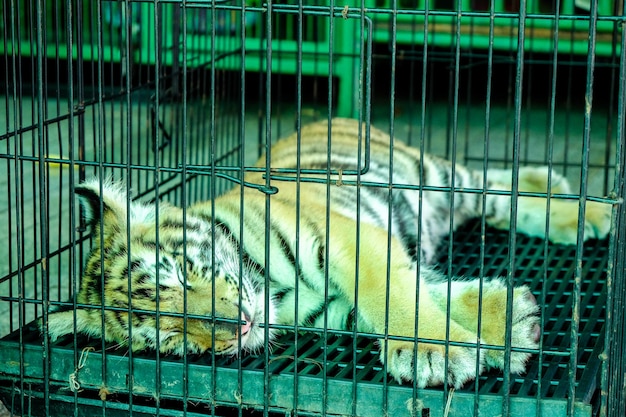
430, 368
563, 227
531, 211
484, 302
525, 332
564, 221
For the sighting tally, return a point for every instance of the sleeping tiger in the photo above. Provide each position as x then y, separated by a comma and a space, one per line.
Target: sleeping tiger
246, 261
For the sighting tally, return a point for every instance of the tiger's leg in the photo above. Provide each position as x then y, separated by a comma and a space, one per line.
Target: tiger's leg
61, 323
531, 211
386, 273
427, 363
465, 298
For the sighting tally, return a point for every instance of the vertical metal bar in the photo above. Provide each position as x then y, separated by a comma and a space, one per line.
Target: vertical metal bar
43, 213
510, 278
80, 98
9, 62
212, 193
451, 151
29, 173
549, 160
420, 202
60, 205
392, 102
80, 85
613, 89
331, 37
299, 39
483, 197
577, 287
364, 113
72, 135
242, 164
268, 158
213, 188
101, 158
100, 155
19, 194
176, 19
568, 109
183, 182
125, 29
613, 399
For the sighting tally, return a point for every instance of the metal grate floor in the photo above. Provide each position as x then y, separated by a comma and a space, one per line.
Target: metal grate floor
301, 383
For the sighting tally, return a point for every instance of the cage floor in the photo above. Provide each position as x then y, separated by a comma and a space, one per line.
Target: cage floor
289, 378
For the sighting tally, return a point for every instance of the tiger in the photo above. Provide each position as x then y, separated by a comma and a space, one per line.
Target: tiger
228, 275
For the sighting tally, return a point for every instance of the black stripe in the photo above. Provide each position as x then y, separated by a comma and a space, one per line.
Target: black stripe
278, 296
191, 225
321, 254
321, 257
405, 224
247, 261
120, 320
253, 265
371, 194
164, 264
145, 279
447, 176
169, 223
150, 244
134, 266
223, 227
146, 293
178, 242
114, 251
143, 318
459, 197
478, 197
93, 274
119, 303
191, 266
284, 244
90, 198
350, 320
312, 318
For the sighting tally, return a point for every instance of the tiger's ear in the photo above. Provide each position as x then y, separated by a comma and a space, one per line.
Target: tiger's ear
104, 200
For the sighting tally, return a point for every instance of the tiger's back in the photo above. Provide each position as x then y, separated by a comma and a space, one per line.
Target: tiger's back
418, 197
383, 187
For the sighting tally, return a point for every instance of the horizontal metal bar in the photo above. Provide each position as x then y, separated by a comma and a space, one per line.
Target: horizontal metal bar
46, 122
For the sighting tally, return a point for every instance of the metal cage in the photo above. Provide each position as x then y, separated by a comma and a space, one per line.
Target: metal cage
179, 99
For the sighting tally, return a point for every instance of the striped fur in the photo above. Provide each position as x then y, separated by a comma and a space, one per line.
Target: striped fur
235, 270
398, 208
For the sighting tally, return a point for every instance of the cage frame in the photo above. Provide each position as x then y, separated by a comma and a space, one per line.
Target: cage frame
612, 370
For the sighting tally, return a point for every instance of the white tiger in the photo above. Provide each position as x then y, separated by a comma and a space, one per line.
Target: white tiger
246, 261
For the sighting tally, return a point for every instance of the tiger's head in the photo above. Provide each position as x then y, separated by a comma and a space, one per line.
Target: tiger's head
153, 280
